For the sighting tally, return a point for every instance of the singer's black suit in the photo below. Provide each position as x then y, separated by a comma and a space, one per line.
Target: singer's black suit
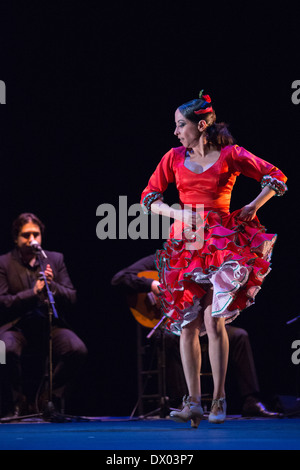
17, 298
24, 320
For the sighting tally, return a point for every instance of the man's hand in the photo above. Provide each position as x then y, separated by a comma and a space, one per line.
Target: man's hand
156, 292
49, 274
38, 287
40, 283
154, 288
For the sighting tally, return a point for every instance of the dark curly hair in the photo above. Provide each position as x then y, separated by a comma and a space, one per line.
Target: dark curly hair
217, 134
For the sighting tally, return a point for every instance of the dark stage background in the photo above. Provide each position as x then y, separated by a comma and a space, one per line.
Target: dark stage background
91, 94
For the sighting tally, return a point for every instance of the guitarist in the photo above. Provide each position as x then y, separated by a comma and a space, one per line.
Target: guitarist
128, 277
130, 281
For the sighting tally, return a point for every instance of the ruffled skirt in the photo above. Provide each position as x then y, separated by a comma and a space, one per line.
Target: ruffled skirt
226, 254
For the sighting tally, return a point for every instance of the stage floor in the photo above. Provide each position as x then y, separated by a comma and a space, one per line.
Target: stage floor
155, 434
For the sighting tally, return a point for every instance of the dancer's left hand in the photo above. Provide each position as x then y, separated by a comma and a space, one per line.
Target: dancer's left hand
248, 213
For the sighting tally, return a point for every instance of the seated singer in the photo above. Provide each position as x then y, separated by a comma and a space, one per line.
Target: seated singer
240, 356
24, 313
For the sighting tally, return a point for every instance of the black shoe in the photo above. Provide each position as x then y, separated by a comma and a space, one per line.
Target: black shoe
52, 414
19, 410
12, 414
257, 409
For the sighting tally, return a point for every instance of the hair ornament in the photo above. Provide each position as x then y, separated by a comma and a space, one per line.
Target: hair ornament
207, 99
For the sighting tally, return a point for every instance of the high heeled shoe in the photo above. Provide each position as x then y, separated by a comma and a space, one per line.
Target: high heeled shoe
220, 405
191, 411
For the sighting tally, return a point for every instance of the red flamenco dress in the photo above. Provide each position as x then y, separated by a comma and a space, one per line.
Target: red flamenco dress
234, 256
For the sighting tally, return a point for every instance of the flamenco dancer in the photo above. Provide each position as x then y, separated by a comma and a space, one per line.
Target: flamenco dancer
203, 288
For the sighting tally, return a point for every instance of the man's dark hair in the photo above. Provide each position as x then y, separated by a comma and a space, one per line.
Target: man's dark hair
23, 219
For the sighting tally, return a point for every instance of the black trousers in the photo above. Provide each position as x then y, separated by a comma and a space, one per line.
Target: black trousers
68, 352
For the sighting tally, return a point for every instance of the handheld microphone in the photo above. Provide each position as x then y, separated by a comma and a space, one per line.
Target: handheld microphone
36, 247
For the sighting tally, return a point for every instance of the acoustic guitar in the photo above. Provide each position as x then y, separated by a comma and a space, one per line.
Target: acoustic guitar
143, 306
